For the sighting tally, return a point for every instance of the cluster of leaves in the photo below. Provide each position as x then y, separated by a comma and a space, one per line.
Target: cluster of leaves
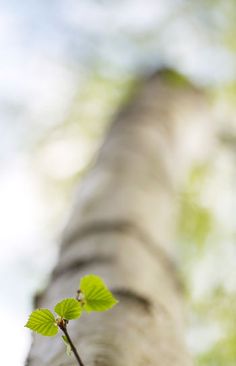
93, 295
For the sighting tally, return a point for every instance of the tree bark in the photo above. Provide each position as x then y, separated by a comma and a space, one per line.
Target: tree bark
121, 228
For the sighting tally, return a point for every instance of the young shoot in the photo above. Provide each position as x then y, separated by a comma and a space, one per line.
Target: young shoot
92, 295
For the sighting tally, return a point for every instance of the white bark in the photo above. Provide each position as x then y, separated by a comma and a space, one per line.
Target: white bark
121, 228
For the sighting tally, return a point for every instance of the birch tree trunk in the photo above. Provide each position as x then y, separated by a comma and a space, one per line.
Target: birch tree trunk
121, 228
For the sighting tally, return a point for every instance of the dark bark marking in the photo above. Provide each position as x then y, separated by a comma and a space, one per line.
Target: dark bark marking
79, 264
124, 293
124, 227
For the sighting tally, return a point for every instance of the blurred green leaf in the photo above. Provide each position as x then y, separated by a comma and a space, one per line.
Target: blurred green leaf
67, 344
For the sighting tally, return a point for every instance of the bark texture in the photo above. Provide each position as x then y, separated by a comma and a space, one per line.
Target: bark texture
121, 228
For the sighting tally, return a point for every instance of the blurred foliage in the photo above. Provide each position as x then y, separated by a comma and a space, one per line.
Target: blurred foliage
195, 219
96, 102
174, 78
199, 232
223, 353
220, 308
66, 151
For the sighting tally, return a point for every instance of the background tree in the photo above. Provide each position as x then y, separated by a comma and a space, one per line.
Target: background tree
121, 228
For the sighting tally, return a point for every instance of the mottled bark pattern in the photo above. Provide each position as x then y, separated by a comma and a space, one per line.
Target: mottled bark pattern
121, 228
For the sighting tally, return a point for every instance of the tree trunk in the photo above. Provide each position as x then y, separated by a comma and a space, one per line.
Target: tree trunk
121, 228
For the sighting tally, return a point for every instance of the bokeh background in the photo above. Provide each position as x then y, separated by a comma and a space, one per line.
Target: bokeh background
66, 67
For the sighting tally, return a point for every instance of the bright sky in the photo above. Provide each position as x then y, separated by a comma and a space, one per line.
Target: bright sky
27, 252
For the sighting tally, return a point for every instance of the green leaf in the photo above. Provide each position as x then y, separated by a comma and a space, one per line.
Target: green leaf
95, 294
42, 321
67, 344
68, 309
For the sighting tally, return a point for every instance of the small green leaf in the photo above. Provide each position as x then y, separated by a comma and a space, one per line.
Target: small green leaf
42, 321
68, 309
95, 294
67, 344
